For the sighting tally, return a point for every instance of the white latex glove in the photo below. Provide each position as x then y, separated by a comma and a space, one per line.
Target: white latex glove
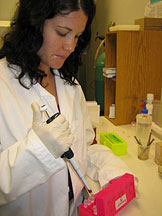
56, 135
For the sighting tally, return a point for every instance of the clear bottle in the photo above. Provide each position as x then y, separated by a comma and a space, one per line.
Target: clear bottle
112, 111
143, 126
149, 105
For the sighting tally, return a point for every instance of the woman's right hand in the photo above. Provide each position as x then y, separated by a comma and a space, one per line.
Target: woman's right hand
56, 135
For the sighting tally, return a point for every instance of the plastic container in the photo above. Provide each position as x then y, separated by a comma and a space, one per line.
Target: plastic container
149, 105
143, 126
160, 169
112, 111
110, 200
157, 112
143, 152
114, 142
158, 153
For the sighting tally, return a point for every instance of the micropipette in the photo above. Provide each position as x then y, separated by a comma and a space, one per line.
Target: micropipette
69, 155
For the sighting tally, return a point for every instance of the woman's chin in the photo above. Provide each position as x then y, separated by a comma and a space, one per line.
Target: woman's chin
57, 64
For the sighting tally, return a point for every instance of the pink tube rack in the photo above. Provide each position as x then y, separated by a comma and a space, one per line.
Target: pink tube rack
113, 198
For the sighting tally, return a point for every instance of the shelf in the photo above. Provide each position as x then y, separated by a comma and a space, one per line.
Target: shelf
111, 120
5, 23
113, 79
137, 57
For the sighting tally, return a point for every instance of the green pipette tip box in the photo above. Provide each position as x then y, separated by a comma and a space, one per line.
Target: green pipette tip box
114, 142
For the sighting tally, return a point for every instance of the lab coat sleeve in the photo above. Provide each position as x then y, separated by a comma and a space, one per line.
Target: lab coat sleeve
103, 165
25, 165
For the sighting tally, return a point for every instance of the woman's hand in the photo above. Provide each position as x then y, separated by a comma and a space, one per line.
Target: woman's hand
56, 136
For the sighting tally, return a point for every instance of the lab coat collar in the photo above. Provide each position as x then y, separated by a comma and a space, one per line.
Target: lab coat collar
16, 71
66, 94
42, 91
65, 91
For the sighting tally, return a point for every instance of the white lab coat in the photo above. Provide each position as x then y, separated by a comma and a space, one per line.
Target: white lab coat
32, 181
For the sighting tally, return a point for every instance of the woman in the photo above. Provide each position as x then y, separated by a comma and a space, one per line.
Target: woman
39, 61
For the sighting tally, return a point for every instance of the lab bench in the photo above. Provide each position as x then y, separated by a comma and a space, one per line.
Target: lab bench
149, 202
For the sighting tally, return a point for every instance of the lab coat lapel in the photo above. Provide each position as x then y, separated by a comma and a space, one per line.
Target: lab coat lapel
66, 95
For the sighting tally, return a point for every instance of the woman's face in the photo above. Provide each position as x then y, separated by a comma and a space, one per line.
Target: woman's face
60, 36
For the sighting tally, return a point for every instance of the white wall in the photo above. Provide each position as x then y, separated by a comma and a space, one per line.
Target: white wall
126, 11
119, 11
7, 8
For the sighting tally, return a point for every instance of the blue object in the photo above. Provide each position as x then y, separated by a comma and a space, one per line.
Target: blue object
144, 110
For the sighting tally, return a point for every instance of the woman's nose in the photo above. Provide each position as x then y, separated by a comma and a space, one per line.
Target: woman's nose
70, 44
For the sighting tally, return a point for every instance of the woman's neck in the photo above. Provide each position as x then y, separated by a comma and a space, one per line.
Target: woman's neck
45, 69
49, 82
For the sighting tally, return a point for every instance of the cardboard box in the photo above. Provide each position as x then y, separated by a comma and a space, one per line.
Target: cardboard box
94, 111
147, 23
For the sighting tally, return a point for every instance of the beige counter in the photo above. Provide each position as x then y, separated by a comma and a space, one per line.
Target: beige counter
149, 202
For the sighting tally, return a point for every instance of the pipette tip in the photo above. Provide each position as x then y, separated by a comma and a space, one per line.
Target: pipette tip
90, 191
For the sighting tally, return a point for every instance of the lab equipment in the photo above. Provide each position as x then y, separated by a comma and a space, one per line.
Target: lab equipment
158, 153
157, 130
138, 141
43, 108
114, 142
94, 210
112, 111
69, 155
149, 105
111, 199
153, 15
143, 125
160, 169
143, 152
109, 72
157, 113
94, 111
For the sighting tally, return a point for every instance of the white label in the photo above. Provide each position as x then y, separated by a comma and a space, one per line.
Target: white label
121, 201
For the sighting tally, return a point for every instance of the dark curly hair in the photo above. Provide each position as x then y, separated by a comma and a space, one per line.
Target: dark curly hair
23, 41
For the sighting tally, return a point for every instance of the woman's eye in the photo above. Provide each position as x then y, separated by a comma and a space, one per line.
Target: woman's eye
61, 34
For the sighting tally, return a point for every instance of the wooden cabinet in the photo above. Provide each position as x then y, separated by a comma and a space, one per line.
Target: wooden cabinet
137, 56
